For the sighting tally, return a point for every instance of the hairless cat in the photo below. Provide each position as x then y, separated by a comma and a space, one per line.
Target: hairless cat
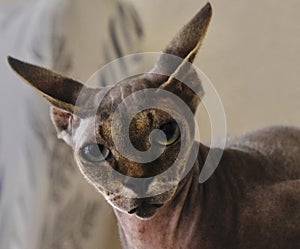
252, 200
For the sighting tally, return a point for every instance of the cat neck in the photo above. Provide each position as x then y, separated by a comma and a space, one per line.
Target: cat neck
175, 223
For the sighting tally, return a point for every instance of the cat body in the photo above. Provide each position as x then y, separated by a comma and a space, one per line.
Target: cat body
251, 201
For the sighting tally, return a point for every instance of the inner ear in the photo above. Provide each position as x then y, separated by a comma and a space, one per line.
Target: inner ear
65, 123
61, 119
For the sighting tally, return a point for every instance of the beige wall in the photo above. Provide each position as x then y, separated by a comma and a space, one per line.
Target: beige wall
251, 54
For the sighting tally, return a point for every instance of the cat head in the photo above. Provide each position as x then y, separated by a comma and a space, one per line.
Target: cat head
129, 170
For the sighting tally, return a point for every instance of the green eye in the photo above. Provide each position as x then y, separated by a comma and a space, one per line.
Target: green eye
172, 133
94, 152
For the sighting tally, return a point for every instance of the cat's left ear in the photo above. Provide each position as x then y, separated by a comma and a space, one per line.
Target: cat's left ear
179, 54
60, 91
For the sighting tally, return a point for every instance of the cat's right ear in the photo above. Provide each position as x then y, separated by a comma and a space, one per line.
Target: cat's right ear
174, 67
185, 44
60, 91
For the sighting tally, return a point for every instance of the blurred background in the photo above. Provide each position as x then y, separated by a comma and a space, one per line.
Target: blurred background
251, 54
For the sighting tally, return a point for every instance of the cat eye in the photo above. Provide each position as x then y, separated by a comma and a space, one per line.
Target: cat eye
95, 152
172, 133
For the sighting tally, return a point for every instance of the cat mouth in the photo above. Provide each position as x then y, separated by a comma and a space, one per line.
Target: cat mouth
145, 210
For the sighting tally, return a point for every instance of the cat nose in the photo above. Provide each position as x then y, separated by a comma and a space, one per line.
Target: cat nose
138, 185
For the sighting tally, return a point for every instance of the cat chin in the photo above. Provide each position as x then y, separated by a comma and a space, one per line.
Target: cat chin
146, 214
143, 211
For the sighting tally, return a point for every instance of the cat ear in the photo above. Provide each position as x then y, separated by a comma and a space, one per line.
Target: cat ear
60, 91
64, 122
188, 40
179, 54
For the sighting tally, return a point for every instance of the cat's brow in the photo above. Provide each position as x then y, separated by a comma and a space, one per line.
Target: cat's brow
150, 118
119, 92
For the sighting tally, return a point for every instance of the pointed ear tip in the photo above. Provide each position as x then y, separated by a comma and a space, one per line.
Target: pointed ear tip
203, 16
208, 5
13, 62
10, 60
207, 9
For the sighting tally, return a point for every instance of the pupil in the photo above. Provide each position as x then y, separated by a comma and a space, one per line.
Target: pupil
169, 130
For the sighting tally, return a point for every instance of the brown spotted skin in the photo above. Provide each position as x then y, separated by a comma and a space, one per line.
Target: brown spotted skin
252, 201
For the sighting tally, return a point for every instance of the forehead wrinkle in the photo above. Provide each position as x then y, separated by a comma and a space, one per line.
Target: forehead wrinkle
122, 92
104, 134
123, 89
118, 93
100, 132
112, 99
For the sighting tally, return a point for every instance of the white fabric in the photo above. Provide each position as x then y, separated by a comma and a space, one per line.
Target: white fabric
23, 28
